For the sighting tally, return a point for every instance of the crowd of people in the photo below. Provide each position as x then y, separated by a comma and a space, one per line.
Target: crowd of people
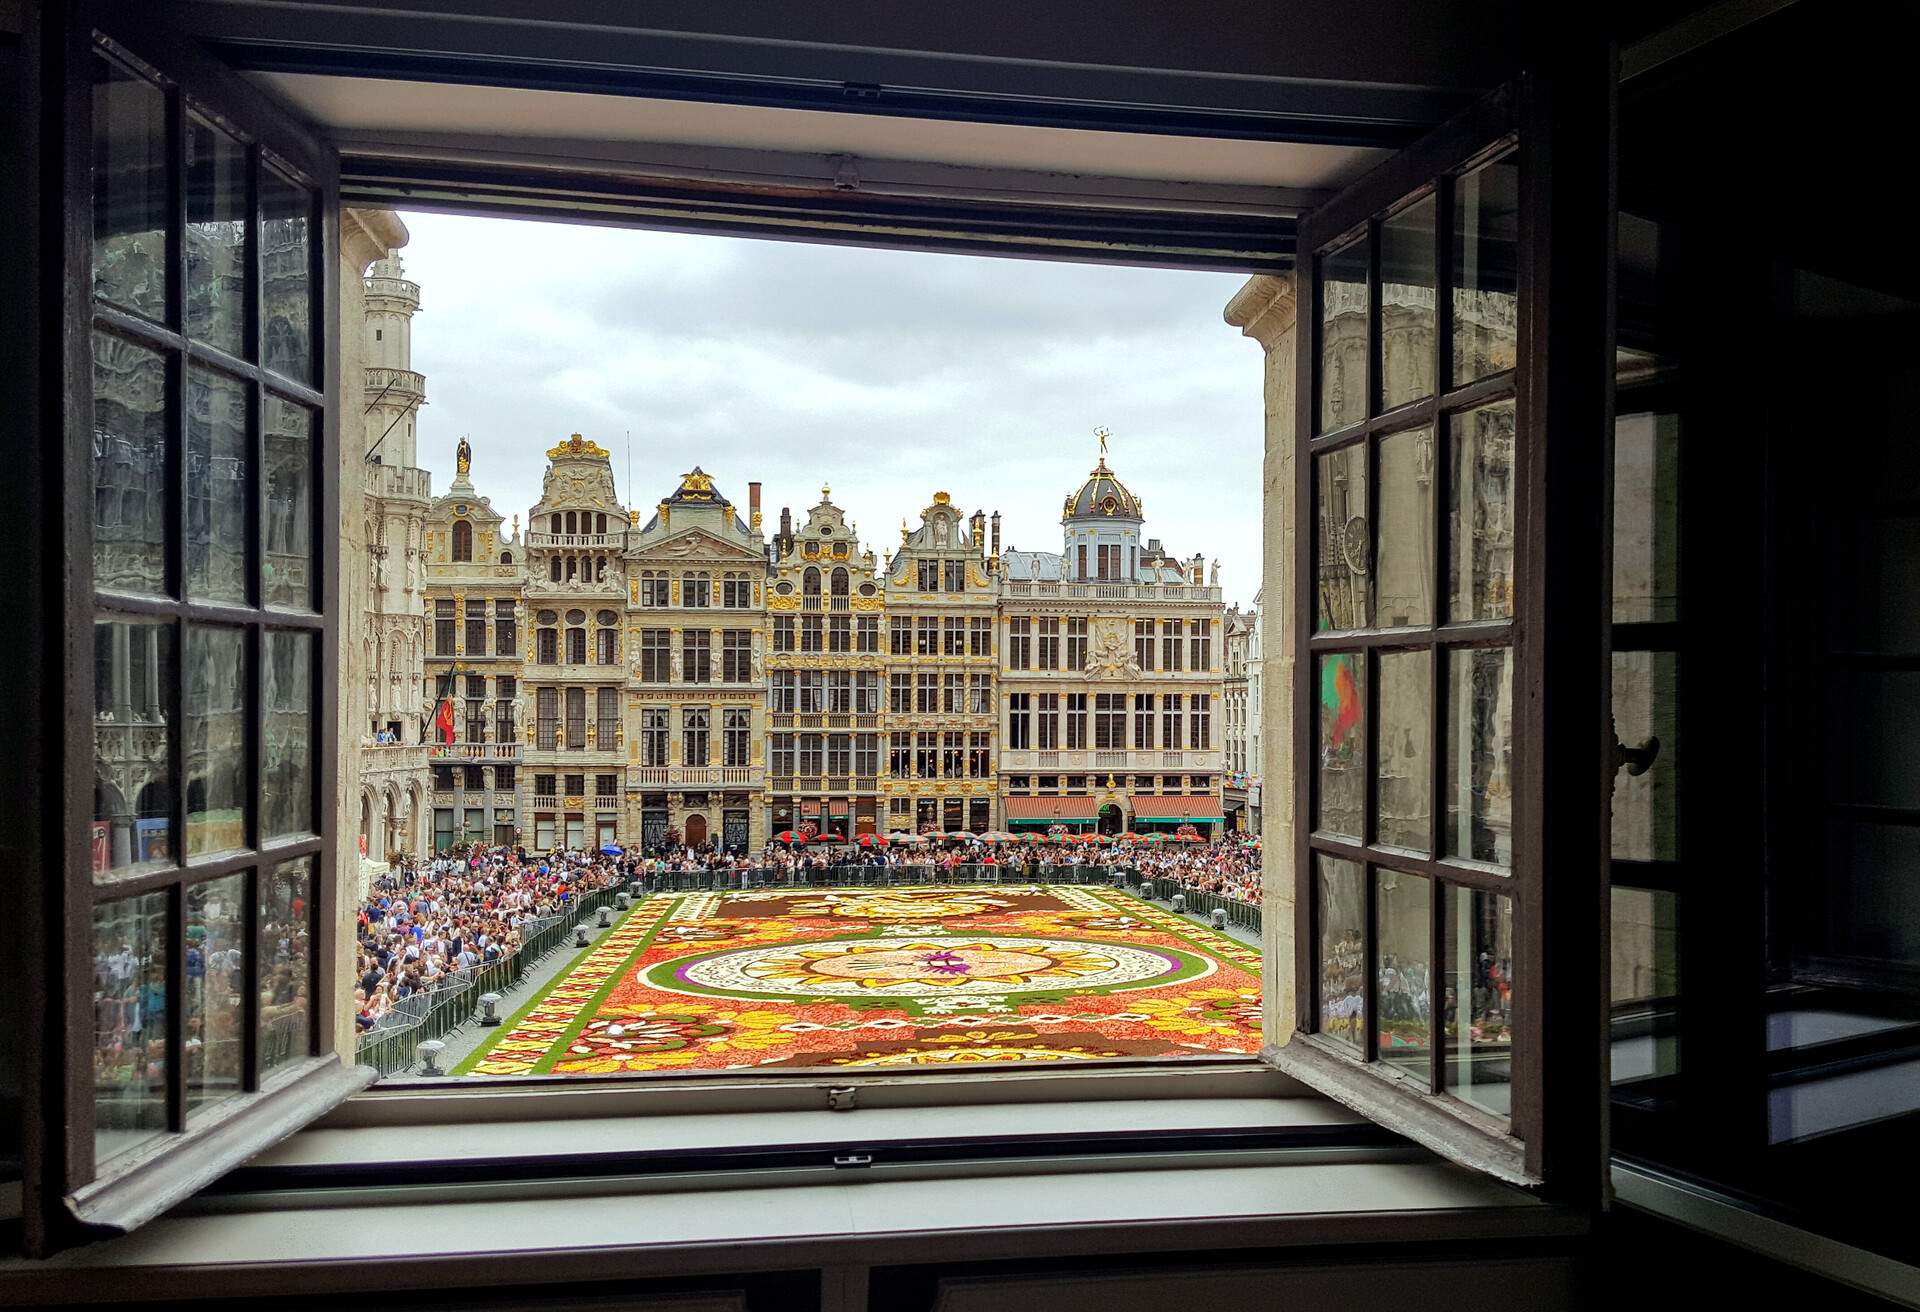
425, 923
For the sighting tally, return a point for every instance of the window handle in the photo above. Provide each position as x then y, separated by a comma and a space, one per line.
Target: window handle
1638, 760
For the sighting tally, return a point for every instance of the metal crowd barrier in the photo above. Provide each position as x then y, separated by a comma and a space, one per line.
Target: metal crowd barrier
888, 876
389, 1045
1198, 902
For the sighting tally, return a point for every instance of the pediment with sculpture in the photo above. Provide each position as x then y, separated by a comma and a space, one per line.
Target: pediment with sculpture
695, 544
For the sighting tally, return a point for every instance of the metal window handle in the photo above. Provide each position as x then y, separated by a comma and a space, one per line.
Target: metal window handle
1638, 760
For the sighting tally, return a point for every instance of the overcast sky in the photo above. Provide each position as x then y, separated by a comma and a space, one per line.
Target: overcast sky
889, 375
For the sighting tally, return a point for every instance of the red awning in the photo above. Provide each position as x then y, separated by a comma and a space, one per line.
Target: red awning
1151, 807
836, 806
809, 808
1052, 808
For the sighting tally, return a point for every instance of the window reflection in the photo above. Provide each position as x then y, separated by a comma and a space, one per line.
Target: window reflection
1478, 1002
129, 467
1343, 318
1480, 519
1403, 1002
1486, 235
132, 788
129, 190
211, 1047
286, 916
1479, 761
1343, 751
216, 745
1403, 791
129, 1023
1342, 546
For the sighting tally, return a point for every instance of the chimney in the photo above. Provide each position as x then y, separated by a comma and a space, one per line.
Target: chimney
753, 507
996, 532
785, 540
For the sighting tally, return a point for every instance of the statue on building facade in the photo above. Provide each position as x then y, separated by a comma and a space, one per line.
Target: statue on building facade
462, 458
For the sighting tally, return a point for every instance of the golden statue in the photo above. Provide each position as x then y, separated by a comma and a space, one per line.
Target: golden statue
1102, 434
462, 459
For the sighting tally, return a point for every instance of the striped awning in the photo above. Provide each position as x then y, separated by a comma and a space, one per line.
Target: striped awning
1051, 810
1149, 806
809, 807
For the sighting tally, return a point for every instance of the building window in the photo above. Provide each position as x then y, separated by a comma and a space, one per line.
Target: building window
810, 629
1110, 567
783, 755
653, 735
839, 692
576, 784
900, 756
547, 707
442, 778
1200, 723
694, 725
1143, 722
736, 723
696, 656
1170, 720
606, 646
867, 640
927, 694
462, 541
1049, 644
1076, 644
477, 628
606, 785
653, 587
1049, 721
979, 694
696, 590
443, 619
656, 655
1076, 722
1143, 643
866, 757
955, 575
736, 655
503, 778
900, 635
1200, 647
736, 592
840, 634
927, 635
1080, 562
784, 699
1019, 722
812, 692
979, 759
866, 692
954, 632
899, 692
606, 733
926, 755
544, 786
783, 633
839, 757
1020, 644
506, 633
810, 755
953, 755
929, 575
506, 689
1110, 721
980, 635
576, 719
576, 646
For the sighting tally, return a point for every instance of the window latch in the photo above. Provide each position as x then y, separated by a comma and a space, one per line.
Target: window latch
1638, 760
842, 1099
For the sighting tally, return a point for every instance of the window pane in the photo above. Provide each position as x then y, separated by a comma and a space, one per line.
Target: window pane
286, 564
286, 972
1646, 518
286, 731
129, 1023
219, 453
1480, 518
1403, 927
1646, 981
1407, 282
1343, 337
1404, 787
1403, 565
132, 792
215, 976
1343, 950
1479, 754
1486, 232
1479, 991
1646, 691
217, 281
1341, 549
129, 467
1343, 750
286, 324
129, 190
216, 729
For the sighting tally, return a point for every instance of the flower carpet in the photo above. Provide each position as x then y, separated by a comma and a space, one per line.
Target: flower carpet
877, 978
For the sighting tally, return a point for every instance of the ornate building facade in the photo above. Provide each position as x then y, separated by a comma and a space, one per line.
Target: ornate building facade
1241, 795
575, 600
1111, 675
476, 577
825, 618
392, 634
941, 711
696, 719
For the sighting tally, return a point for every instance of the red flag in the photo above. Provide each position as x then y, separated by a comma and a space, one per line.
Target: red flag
443, 720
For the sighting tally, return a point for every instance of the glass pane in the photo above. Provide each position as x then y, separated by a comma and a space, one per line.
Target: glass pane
1343, 745
286, 973
1342, 544
1646, 807
1407, 282
1479, 990
129, 1023
1403, 564
1486, 233
1479, 754
133, 675
286, 322
1646, 518
219, 454
217, 284
1343, 337
1480, 518
286, 735
1646, 983
1343, 950
215, 976
1403, 928
1404, 788
129, 190
129, 467
216, 715
286, 566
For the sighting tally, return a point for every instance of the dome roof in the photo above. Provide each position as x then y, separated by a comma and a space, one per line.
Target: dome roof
1102, 496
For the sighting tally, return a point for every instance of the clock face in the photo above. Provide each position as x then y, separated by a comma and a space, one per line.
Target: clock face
1353, 544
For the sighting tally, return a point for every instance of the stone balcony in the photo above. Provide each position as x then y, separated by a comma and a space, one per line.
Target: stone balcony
694, 776
1203, 761
1154, 592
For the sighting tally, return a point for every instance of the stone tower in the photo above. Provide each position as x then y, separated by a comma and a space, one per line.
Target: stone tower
395, 392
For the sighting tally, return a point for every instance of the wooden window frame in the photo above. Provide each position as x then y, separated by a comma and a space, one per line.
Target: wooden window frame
1562, 389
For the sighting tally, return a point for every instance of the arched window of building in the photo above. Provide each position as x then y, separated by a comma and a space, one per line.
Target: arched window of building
462, 541
553, 569
576, 646
547, 638
506, 558
839, 584
599, 523
810, 583
572, 524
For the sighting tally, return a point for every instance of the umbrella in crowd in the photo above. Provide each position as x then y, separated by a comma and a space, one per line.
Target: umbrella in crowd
790, 838
612, 849
871, 840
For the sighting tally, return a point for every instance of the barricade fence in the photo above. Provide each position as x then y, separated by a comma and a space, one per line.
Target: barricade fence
1197, 901
892, 876
389, 1046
